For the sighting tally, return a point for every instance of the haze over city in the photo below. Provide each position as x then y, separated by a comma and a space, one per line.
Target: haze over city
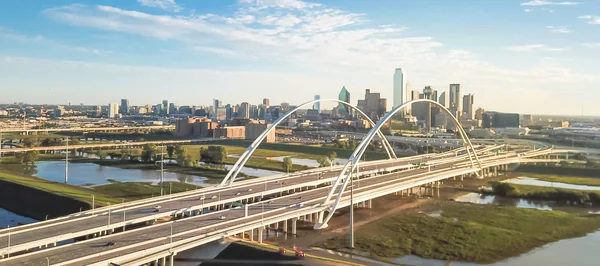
520, 56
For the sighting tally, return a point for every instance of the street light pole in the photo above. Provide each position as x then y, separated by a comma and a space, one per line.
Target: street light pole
162, 169
351, 211
67, 162
8, 247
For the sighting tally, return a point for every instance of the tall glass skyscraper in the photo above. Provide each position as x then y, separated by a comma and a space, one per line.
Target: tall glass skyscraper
399, 91
344, 96
317, 105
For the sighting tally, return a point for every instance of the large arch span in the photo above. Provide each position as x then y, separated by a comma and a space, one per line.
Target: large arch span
237, 167
352, 164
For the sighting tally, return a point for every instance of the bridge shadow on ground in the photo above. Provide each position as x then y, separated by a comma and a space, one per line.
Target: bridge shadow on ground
239, 254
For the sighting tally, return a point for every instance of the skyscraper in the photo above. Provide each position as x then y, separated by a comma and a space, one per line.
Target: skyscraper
244, 111
165, 106
317, 105
443, 100
468, 107
113, 110
399, 92
266, 102
216, 105
455, 97
344, 96
124, 107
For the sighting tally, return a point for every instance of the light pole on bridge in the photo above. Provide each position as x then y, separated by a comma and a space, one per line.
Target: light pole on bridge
67, 161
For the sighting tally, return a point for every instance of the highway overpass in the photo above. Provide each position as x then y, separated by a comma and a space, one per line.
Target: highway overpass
27, 131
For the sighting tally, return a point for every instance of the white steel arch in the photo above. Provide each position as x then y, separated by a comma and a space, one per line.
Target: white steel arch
361, 148
232, 174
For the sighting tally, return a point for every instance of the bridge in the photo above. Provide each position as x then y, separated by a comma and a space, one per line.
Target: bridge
122, 144
194, 218
85, 129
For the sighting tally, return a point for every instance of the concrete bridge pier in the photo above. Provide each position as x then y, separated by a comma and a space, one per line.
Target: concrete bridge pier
285, 226
294, 225
260, 234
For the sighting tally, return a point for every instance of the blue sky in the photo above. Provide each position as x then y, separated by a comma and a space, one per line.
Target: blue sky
528, 56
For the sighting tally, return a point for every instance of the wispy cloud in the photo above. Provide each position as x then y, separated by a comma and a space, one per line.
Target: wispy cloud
168, 5
591, 19
534, 48
555, 29
546, 3
527, 10
591, 44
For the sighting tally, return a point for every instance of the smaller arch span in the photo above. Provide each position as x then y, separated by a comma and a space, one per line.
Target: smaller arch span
237, 167
352, 163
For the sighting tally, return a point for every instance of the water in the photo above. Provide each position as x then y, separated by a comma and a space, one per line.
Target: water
94, 174
575, 251
548, 205
540, 183
11, 219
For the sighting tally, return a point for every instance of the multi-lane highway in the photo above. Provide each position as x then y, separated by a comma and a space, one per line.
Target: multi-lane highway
205, 226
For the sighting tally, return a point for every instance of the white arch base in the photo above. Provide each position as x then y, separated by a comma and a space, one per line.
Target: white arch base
352, 163
237, 167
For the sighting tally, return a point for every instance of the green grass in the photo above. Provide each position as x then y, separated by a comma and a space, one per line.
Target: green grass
139, 190
75, 192
545, 193
467, 232
575, 180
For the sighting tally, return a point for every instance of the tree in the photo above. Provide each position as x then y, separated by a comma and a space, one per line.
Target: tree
323, 161
287, 164
45, 142
148, 152
27, 143
171, 150
74, 141
180, 154
102, 154
332, 156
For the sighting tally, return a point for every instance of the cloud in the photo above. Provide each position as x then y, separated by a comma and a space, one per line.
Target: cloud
168, 5
527, 10
591, 45
544, 3
554, 29
534, 48
591, 19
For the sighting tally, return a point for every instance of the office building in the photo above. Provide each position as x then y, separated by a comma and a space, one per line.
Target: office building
468, 107
172, 108
479, 113
244, 111
254, 112
443, 100
500, 120
372, 104
98, 111
221, 114
194, 127
230, 132
266, 102
165, 107
455, 99
399, 90
113, 110
216, 105
124, 107
256, 127
342, 109
317, 105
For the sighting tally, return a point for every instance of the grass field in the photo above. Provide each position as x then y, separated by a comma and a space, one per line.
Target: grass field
545, 193
139, 190
575, 180
467, 232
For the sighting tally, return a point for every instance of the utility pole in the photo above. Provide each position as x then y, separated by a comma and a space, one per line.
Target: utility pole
162, 168
351, 211
67, 163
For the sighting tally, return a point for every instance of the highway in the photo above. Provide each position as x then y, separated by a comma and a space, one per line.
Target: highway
208, 227
84, 129
25, 237
103, 145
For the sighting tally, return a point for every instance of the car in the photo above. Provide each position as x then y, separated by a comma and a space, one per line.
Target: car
202, 197
222, 217
214, 197
157, 208
249, 189
300, 205
110, 244
270, 201
237, 194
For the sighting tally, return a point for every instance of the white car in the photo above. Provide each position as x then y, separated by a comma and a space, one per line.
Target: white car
214, 197
222, 217
237, 194
202, 197
249, 189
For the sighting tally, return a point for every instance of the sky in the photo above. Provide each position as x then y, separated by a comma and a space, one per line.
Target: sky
526, 56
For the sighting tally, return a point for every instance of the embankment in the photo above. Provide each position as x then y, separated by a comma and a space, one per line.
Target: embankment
36, 203
558, 170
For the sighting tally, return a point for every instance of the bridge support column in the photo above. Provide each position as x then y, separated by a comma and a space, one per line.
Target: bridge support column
171, 260
309, 217
294, 224
251, 235
370, 205
164, 261
276, 226
285, 226
315, 217
260, 234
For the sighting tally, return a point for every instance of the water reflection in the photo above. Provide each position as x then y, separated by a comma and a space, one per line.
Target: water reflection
536, 182
307, 162
93, 174
11, 219
549, 205
255, 171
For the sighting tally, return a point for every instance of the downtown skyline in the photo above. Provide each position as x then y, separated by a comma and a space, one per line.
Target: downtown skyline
193, 52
